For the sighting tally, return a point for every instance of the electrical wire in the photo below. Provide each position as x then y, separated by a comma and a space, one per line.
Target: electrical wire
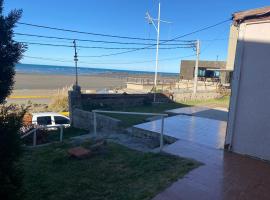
174, 39
87, 33
98, 41
97, 47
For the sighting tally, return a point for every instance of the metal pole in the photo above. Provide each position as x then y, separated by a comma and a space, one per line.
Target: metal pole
196, 67
76, 62
95, 124
161, 134
35, 138
61, 133
156, 69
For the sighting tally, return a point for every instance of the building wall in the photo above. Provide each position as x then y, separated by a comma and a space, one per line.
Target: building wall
232, 47
188, 66
249, 126
187, 71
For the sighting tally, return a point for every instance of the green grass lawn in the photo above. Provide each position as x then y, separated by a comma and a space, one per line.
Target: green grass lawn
67, 133
220, 102
54, 135
120, 173
130, 120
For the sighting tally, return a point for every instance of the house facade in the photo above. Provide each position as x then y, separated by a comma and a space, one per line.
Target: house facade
248, 130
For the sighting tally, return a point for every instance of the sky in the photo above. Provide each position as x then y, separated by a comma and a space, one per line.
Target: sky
126, 18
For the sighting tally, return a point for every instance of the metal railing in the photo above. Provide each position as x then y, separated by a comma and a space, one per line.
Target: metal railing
34, 131
162, 115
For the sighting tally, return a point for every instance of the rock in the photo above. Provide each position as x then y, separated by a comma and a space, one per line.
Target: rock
79, 152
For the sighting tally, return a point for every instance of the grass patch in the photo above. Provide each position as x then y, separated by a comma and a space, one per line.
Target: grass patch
119, 174
67, 133
130, 120
218, 102
54, 135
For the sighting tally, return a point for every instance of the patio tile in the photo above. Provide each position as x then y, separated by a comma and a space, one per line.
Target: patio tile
187, 110
199, 130
223, 176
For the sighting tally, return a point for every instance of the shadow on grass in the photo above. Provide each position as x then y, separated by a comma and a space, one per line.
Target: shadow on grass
120, 173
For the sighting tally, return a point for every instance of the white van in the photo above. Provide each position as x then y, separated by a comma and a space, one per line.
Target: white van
50, 119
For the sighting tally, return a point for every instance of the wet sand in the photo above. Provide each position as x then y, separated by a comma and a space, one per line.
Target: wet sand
53, 82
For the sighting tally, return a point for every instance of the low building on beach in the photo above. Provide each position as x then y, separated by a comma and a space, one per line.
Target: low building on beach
215, 71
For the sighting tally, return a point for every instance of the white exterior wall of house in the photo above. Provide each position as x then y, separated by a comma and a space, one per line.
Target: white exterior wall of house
248, 130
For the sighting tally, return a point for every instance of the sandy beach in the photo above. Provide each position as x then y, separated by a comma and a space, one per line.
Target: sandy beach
54, 82
39, 88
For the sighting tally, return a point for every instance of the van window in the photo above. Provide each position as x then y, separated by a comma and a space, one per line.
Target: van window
45, 120
61, 120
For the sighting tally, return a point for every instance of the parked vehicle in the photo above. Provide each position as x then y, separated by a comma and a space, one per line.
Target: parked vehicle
50, 119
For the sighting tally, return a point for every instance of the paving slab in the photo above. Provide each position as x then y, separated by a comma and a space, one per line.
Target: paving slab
199, 130
187, 110
223, 176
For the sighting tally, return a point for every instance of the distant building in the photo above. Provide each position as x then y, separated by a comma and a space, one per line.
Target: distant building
215, 70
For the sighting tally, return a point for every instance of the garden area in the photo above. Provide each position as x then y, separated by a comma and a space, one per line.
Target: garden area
130, 120
116, 173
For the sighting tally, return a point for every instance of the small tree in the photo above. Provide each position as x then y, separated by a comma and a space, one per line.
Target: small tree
10, 116
10, 51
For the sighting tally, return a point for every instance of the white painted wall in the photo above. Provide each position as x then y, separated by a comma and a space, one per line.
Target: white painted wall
249, 118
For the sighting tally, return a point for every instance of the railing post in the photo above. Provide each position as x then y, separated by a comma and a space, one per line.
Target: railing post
35, 138
95, 123
161, 134
61, 133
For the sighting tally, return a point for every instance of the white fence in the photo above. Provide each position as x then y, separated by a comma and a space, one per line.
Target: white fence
132, 113
34, 131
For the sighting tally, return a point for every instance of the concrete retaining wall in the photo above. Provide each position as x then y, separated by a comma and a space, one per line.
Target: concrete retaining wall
199, 96
84, 120
142, 133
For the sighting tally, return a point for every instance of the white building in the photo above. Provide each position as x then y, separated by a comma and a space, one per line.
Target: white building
248, 130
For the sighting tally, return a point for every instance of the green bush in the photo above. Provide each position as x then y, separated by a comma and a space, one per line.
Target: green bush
10, 151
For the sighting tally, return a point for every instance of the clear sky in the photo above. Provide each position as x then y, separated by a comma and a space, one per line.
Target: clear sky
127, 18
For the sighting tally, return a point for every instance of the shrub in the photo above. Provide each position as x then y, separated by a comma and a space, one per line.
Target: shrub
60, 101
10, 151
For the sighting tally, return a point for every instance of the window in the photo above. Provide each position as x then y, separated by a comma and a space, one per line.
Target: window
61, 120
46, 120
217, 74
201, 72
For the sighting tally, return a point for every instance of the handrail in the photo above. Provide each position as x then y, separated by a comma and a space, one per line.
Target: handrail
43, 127
162, 115
130, 113
28, 133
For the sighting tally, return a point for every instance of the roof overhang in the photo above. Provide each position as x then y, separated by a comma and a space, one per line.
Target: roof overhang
251, 15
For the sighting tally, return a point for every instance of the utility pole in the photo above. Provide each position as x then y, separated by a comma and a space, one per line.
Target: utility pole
151, 21
76, 62
196, 67
156, 69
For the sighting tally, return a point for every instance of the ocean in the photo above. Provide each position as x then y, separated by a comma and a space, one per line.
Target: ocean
65, 70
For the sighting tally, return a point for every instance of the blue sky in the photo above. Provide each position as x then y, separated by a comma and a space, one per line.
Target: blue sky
126, 18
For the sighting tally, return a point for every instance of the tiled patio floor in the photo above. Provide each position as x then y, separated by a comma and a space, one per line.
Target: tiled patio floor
223, 176
200, 130
217, 113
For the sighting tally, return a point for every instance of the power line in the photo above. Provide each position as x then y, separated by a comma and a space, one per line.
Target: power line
96, 41
50, 59
87, 33
108, 63
97, 47
174, 39
136, 49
